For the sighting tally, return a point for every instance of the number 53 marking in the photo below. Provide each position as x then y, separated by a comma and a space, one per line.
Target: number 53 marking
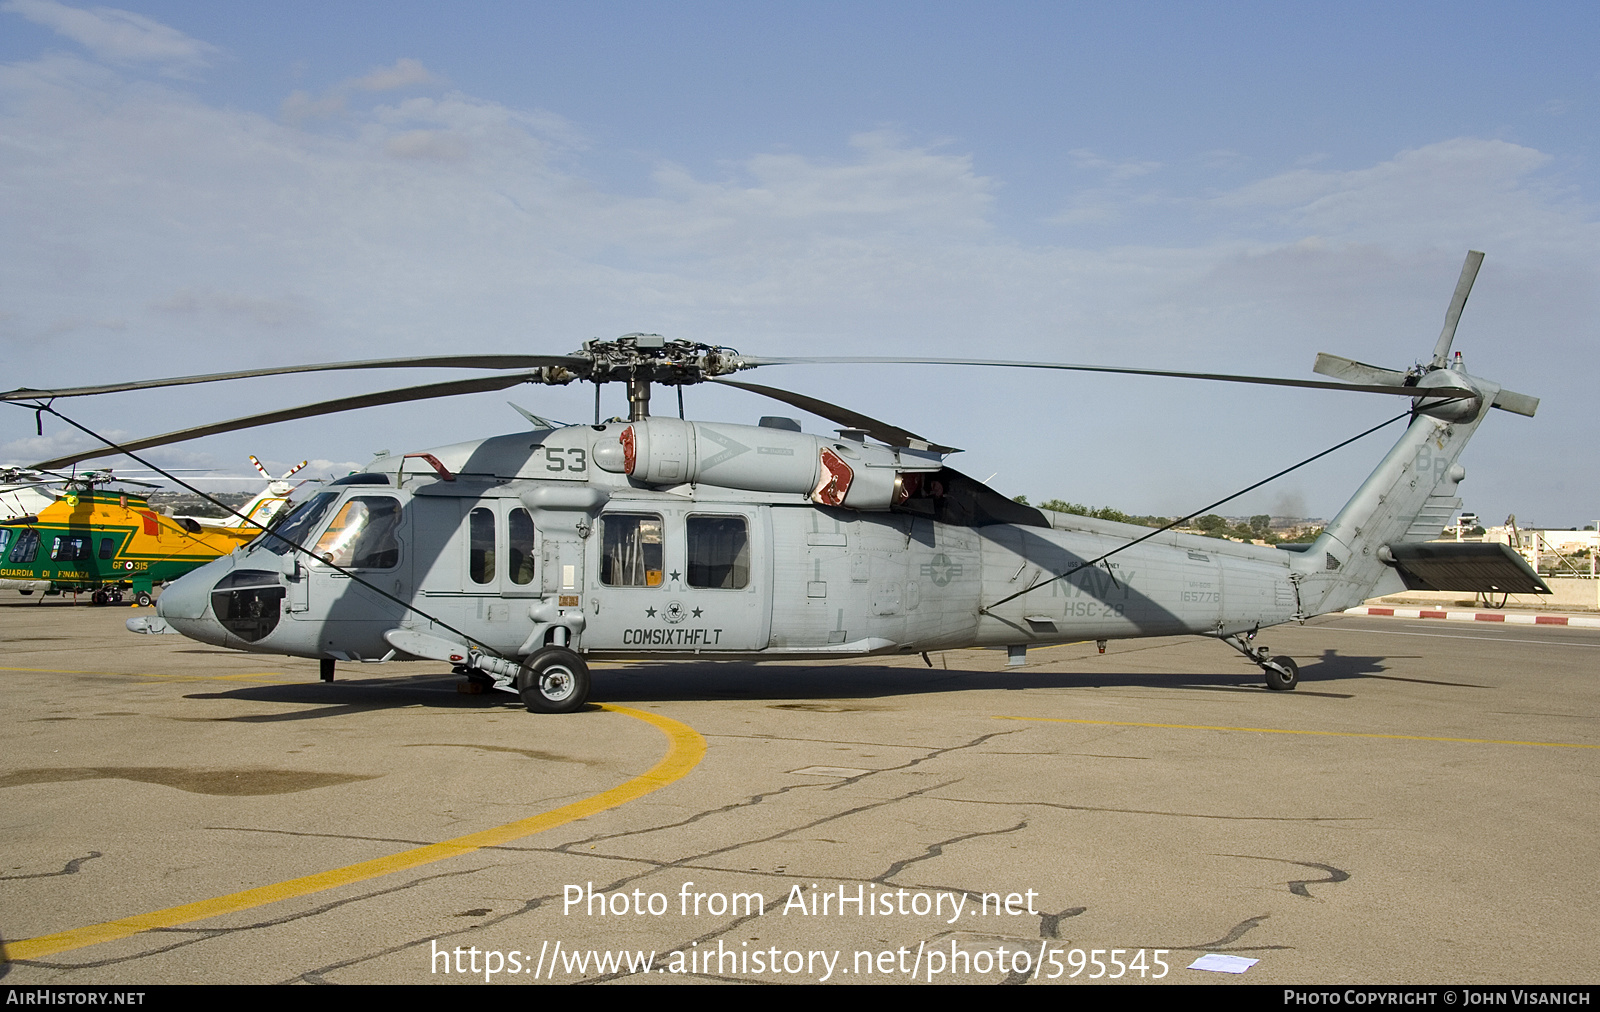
557, 459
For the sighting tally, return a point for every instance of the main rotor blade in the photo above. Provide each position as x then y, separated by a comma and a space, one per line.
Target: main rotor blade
1452, 316
1358, 372
1364, 388
421, 393
426, 362
881, 431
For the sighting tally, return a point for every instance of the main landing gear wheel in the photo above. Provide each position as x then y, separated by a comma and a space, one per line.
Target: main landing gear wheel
142, 599
554, 680
1283, 673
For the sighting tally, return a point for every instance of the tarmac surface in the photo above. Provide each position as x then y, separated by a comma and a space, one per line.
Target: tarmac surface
1423, 809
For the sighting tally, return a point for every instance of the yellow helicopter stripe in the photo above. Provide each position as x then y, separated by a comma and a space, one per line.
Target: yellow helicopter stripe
1282, 730
684, 751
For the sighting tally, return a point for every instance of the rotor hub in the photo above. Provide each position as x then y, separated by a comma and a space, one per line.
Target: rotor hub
651, 358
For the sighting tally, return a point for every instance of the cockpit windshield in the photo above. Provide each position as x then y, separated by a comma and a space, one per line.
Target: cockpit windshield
362, 536
295, 528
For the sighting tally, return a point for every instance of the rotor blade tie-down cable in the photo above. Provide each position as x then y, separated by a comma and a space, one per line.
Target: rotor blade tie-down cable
1095, 562
274, 534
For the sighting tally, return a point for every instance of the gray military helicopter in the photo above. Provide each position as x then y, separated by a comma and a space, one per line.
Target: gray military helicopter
518, 557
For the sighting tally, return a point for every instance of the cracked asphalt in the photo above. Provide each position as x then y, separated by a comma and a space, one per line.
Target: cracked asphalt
1422, 809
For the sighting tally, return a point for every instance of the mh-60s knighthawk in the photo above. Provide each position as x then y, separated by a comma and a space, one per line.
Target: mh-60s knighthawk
517, 557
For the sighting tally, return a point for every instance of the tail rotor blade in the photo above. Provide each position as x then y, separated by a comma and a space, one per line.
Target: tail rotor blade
1522, 404
1452, 316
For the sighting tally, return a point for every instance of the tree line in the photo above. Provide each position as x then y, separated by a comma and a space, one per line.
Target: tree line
1256, 528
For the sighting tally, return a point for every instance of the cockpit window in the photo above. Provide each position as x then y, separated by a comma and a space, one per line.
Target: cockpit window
295, 528
26, 548
362, 535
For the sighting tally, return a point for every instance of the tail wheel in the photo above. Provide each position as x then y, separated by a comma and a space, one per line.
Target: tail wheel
554, 680
1283, 673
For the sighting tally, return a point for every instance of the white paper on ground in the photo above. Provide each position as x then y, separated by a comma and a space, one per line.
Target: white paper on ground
1223, 964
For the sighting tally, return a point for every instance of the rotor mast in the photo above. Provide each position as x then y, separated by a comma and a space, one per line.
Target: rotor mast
642, 359
638, 398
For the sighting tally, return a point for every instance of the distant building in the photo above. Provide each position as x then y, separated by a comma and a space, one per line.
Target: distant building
1551, 550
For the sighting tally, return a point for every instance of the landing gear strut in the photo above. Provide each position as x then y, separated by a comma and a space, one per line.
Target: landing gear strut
1282, 672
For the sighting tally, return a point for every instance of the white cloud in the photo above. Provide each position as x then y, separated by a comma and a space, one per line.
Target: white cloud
1466, 190
426, 144
120, 37
404, 73
1114, 170
301, 106
55, 442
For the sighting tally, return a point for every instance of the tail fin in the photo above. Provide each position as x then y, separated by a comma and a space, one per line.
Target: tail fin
1412, 493
1409, 497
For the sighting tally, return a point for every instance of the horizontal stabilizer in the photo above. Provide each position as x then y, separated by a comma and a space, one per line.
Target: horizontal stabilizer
1522, 404
1356, 372
1478, 567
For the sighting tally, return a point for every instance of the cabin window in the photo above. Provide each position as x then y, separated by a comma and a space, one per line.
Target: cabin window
108, 548
480, 550
26, 548
631, 550
362, 535
719, 552
296, 528
70, 549
519, 541
5, 539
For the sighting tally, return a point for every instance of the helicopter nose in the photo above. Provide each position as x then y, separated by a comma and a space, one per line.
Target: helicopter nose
184, 603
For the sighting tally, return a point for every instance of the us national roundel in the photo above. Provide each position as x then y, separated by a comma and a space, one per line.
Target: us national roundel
941, 570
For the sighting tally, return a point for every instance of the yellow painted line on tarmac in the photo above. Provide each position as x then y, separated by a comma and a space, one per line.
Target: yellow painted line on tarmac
1284, 730
685, 749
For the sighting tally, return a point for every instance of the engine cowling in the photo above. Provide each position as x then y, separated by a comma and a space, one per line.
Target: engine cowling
830, 472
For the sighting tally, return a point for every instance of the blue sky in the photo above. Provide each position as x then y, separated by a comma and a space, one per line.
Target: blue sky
189, 187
